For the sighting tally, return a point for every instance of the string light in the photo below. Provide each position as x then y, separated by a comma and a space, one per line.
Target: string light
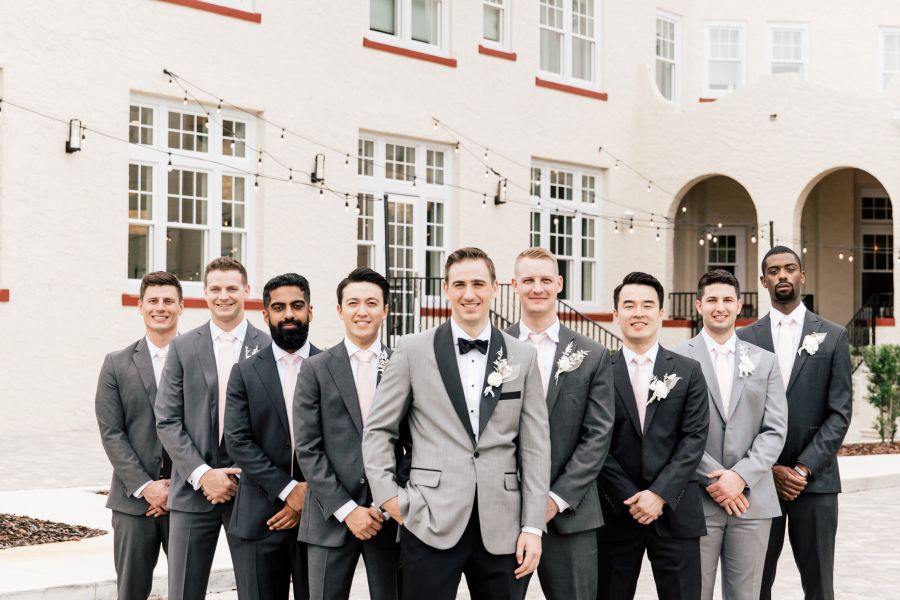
435, 123
346, 202
282, 135
616, 229
347, 162
485, 154
484, 201
804, 250
840, 256
631, 226
219, 107
170, 81
487, 173
185, 98
649, 184
169, 166
850, 258
715, 239
683, 207
616, 167
719, 224
456, 148
414, 182
259, 160
708, 235
753, 236
256, 182
291, 176
321, 192
657, 235
702, 241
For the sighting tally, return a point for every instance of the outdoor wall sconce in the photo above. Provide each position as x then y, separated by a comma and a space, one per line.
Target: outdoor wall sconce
73, 144
318, 174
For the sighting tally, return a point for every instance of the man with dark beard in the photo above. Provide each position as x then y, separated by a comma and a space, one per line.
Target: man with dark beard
259, 435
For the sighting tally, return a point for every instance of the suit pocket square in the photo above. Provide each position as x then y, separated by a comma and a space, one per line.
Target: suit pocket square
510, 395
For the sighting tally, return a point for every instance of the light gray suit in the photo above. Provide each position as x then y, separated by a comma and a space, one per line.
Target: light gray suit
508, 467
747, 440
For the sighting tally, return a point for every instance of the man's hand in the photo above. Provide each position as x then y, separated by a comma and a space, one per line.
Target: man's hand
219, 485
552, 509
157, 496
364, 522
736, 507
156, 511
645, 507
297, 497
286, 518
727, 488
392, 507
788, 482
528, 554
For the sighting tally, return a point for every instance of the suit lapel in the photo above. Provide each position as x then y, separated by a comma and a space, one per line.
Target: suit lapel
622, 382
566, 336
267, 369
206, 355
811, 324
489, 401
252, 343
763, 332
737, 382
700, 353
388, 352
143, 362
661, 368
342, 374
445, 356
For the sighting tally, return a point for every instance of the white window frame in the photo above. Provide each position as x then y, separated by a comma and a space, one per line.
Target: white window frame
742, 46
585, 211
505, 43
803, 29
676, 61
566, 76
215, 164
882, 33
740, 240
378, 185
403, 26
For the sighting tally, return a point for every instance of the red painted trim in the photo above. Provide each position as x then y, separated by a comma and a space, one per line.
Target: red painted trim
708, 99
885, 322
677, 323
570, 89
432, 311
219, 10
132, 300
4, 295
744, 322
599, 316
482, 49
441, 60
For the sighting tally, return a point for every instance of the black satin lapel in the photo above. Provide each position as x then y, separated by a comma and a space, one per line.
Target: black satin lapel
267, 370
811, 324
342, 375
566, 336
661, 368
489, 401
445, 356
143, 362
622, 382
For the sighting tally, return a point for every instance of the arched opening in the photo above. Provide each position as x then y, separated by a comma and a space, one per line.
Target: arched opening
715, 228
847, 240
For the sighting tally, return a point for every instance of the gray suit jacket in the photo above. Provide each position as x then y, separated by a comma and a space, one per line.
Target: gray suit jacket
124, 407
750, 437
508, 467
581, 406
187, 414
820, 400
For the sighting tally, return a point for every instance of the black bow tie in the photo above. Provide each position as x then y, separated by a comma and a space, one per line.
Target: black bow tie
466, 345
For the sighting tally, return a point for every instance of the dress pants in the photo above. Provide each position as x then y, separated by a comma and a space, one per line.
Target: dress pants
265, 568
192, 545
568, 567
136, 543
811, 522
675, 563
433, 574
741, 544
331, 569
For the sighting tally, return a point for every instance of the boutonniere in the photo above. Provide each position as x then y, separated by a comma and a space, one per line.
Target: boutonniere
382, 361
662, 387
503, 372
746, 366
570, 360
811, 343
248, 351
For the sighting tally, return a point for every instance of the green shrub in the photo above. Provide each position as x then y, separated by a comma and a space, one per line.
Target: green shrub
884, 387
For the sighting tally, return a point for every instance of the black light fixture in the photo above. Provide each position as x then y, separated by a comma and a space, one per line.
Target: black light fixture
318, 173
73, 144
501, 192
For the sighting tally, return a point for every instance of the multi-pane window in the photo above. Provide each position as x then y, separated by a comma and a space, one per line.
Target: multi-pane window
536, 181
569, 34
722, 253
434, 169
400, 162
588, 258
415, 21
561, 184
140, 125
788, 49
724, 58
434, 245
878, 250
188, 132
234, 205
666, 58
140, 219
876, 208
534, 233
188, 195
495, 12
561, 238
890, 55
588, 189
365, 231
365, 158
234, 134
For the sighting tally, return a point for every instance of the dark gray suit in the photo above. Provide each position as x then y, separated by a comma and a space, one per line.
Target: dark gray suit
819, 406
124, 407
581, 406
259, 442
328, 431
187, 419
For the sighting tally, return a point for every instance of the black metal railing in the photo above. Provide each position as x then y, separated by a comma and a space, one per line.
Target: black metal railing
581, 323
681, 306
862, 325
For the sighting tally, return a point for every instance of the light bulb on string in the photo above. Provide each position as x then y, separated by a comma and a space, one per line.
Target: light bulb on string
840, 256
850, 258
185, 99
170, 81
616, 228
282, 136
321, 192
414, 182
657, 235
256, 182
346, 202
719, 224
456, 148
484, 201
219, 107
649, 186
232, 145
804, 250
435, 124
616, 167
487, 172
169, 166
702, 241
347, 162
651, 218
684, 208
631, 226
259, 160
206, 123
485, 154
708, 235
753, 236
291, 176
715, 239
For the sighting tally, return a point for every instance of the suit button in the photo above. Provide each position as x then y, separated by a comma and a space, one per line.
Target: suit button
477, 454
363, 480
287, 445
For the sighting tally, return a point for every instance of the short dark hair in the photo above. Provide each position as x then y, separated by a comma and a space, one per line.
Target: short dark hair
638, 278
718, 276
225, 263
160, 278
286, 279
779, 250
469, 253
364, 275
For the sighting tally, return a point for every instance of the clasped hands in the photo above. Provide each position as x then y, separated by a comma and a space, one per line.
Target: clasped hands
157, 496
645, 506
289, 515
788, 483
728, 491
220, 485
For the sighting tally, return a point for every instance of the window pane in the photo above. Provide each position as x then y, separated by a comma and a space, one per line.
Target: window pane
587, 281
665, 79
233, 245
493, 19
365, 256
184, 253
382, 16
551, 51
582, 59
724, 75
138, 250
425, 21
365, 163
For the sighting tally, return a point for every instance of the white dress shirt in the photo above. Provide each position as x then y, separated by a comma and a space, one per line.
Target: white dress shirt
629, 355
798, 315
472, 367
344, 511
280, 353
157, 371
712, 344
239, 333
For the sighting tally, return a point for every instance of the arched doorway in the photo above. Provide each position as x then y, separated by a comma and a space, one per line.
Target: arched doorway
846, 229
715, 228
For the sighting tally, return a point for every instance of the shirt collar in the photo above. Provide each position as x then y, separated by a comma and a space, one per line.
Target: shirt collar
353, 348
798, 315
552, 331
629, 354
239, 332
280, 352
712, 344
152, 348
459, 333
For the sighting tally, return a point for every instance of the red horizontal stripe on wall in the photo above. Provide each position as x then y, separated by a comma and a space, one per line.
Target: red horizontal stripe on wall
219, 10
496, 53
132, 300
441, 60
708, 99
570, 89
4, 295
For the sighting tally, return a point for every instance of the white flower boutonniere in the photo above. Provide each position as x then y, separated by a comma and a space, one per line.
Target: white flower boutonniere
570, 360
811, 343
248, 351
382, 361
503, 372
746, 366
662, 387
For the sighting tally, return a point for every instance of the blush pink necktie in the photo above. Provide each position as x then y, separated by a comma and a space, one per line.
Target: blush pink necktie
640, 383
226, 361
365, 390
786, 349
724, 375
160, 359
536, 339
292, 364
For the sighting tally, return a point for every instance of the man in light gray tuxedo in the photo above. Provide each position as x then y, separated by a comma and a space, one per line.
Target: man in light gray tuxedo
141, 468
577, 378
190, 410
748, 425
332, 402
480, 477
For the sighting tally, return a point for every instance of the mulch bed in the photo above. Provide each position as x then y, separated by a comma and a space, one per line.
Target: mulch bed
869, 448
16, 530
